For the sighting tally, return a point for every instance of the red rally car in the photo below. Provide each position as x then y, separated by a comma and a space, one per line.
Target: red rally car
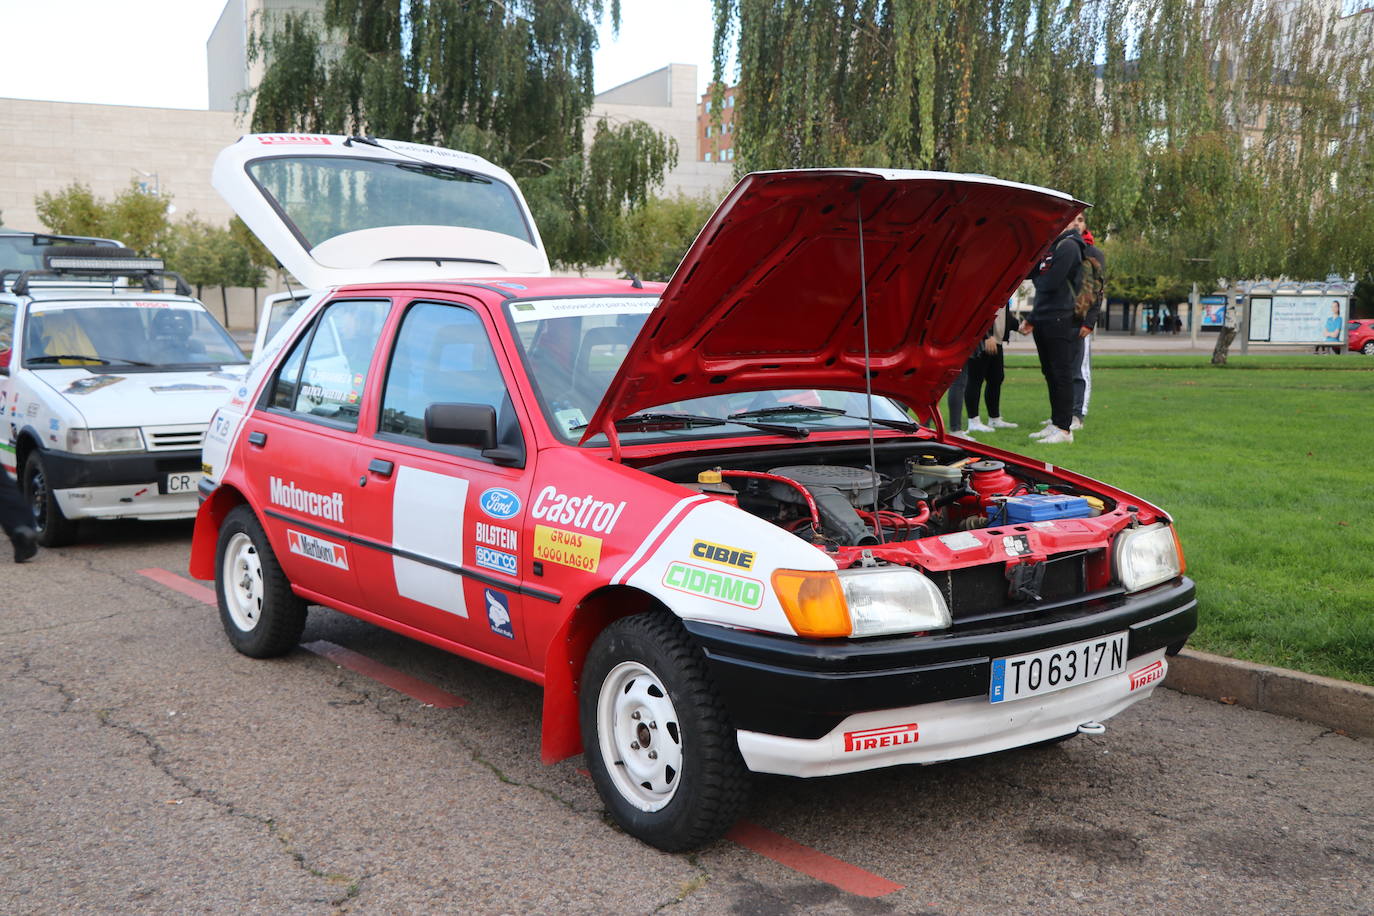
696, 513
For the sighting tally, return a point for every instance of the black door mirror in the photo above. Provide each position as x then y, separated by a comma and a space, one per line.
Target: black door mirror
473, 425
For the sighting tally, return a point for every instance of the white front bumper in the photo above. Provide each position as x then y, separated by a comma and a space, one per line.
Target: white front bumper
140, 500
949, 730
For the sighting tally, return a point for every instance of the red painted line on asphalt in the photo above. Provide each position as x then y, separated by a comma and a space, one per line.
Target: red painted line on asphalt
399, 681
809, 861
180, 584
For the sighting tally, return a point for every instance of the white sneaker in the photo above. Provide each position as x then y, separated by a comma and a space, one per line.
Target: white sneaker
999, 423
963, 434
976, 425
1076, 424
1042, 433
1056, 436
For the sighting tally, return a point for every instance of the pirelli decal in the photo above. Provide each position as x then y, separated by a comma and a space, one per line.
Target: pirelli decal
713, 583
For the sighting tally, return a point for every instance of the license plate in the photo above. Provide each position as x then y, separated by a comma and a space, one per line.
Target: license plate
181, 483
1048, 670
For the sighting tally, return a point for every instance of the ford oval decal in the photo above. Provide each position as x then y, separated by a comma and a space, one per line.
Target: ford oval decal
498, 502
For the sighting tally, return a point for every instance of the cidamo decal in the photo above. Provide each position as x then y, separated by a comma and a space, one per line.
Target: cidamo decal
578, 511
1147, 675
871, 739
314, 548
290, 496
709, 583
567, 548
725, 556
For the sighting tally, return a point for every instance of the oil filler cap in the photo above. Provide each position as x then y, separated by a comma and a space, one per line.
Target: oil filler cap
709, 476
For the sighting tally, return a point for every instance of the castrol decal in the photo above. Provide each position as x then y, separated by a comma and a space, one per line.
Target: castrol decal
567, 548
585, 512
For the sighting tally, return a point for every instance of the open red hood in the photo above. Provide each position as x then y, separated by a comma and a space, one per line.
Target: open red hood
770, 294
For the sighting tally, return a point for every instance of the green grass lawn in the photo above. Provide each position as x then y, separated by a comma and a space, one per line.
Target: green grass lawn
1266, 465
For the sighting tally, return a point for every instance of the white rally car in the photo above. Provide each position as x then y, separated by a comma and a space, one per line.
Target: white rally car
107, 385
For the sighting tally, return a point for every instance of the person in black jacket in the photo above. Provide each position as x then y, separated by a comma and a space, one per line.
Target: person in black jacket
16, 518
1055, 327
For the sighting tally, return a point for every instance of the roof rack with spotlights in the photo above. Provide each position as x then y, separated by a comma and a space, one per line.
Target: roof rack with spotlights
92, 262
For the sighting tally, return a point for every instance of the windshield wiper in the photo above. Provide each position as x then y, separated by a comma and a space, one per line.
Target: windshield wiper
688, 420
903, 425
104, 361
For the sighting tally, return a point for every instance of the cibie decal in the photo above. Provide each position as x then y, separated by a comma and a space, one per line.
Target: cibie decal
290, 496
725, 556
498, 613
870, 739
498, 502
1147, 675
313, 548
577, 511
567, 548
710, 583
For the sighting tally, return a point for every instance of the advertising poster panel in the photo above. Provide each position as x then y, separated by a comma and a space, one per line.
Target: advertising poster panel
1315, 320
1213, 311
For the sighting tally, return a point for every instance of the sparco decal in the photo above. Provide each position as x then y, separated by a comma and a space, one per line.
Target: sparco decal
318, 504
498, 560
696, 580
315, 548
578, 511
498, 502
870, 739
726, 556
567, 548
1147, 675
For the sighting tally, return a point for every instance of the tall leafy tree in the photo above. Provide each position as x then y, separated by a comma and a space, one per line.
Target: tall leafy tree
510, 81
137, 219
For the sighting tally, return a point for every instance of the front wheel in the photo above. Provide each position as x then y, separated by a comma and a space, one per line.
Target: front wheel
659, 746
54, 528
261, 615
1368, 348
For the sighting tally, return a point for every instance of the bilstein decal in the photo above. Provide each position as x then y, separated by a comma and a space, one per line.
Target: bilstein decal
497, 536
289, 495
567, 548
871, 739
578, 511
725, 556
314, 548
710, 583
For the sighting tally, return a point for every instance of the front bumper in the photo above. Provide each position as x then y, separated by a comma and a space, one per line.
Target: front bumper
121, 486
795, 688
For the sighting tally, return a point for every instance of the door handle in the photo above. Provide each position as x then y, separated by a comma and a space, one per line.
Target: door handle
381, 467
257, 437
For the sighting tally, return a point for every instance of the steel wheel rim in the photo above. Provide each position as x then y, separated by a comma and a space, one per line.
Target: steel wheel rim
640, 737
38, 497
242, 582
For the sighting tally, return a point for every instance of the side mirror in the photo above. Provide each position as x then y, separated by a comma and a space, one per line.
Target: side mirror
472, 425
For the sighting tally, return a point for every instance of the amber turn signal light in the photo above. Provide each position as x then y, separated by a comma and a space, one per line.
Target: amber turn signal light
813, 601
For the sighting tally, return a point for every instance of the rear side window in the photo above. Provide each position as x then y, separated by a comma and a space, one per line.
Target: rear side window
325, 375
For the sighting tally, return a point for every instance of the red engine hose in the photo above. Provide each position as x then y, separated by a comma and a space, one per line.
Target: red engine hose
760, 475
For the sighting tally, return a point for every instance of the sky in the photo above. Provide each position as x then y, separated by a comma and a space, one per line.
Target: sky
151, 53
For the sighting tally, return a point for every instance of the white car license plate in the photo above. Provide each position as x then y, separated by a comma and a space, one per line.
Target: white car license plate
1048, 670
181, 483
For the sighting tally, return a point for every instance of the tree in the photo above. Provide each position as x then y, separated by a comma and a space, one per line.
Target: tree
656, 236
511, 82
137, 219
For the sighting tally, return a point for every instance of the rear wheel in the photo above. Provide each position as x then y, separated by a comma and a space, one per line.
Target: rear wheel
1368, 348
658, 743
54, 528
261, 615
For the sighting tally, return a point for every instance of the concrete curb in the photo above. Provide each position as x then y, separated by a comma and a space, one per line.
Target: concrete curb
1326, 701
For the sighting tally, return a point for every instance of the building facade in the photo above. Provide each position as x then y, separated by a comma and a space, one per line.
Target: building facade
716, 134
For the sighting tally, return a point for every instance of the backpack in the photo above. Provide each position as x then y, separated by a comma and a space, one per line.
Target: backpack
1092, 282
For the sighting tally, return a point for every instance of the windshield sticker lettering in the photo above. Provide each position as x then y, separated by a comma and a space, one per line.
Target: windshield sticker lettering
498, 502
577, 511
544, 309
293, 140
498, 613
290, 496
708, 583
567, 548
726, 556
186, 386
318, 549
94, 383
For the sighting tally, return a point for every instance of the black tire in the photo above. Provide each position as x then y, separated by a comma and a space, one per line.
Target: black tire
262, 617
54, 528
701, 798
1368, 348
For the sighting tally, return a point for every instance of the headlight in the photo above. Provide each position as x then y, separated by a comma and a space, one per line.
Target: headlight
102, 441
867, 601
1147, 556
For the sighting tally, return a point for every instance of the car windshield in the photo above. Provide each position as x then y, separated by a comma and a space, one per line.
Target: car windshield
323, 197
25, 251
572, 349
150, 334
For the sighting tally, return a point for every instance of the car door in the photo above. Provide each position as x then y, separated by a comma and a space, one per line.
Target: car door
445, 517
302, 446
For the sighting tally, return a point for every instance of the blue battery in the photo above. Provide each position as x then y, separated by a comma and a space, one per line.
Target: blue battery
1038, 508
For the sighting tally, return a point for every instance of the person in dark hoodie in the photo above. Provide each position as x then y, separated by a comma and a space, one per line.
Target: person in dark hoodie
1055, 328
16, 518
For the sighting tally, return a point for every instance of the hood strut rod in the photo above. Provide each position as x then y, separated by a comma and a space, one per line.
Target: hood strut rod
868, 371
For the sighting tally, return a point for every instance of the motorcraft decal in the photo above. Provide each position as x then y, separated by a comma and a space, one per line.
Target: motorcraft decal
498, 502
314, 548
567, 548
320, 505
578, 511
498, 613
725, 556
709, 583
